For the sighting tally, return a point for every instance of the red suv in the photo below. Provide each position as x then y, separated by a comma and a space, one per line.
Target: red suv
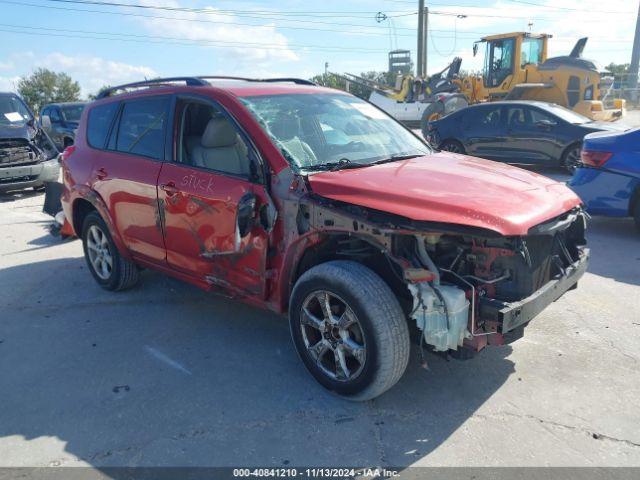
307, 200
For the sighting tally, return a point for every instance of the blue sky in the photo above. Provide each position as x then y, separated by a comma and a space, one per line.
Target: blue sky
108, 44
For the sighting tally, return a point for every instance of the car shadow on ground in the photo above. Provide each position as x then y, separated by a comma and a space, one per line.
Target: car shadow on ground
168, 375
12, 196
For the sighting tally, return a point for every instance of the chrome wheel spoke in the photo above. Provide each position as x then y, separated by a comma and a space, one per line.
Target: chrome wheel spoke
342, 371
318, 350
323, 300
346, 320
355, 350
311, 320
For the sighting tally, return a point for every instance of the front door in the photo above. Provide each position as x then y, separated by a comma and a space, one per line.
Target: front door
200, 193
531, 136
483, 131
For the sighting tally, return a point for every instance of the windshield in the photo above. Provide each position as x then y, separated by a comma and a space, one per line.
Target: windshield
567, 115
317, 129
71, 113
13, 111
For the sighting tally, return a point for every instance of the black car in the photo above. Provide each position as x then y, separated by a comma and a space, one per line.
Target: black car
60, 121
28, 157
517, 132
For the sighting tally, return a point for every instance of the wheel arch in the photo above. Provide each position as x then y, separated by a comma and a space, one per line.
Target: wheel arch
567, 149
89, 202
358, 248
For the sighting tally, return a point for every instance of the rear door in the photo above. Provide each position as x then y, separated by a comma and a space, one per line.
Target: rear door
125, 172
211, 181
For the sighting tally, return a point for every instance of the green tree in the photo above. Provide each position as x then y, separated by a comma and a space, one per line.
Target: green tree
619, 71
93, 96
45, 86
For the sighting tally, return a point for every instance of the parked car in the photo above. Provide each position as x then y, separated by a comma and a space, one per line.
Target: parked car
608, 179
522, 133
60, 121
307, 200
28, 157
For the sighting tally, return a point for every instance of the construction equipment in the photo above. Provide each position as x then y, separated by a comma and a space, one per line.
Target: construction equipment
413, 100
516, 67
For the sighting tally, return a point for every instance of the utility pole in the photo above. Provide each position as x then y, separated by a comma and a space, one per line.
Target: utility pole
635, 61
425, 18
419, 68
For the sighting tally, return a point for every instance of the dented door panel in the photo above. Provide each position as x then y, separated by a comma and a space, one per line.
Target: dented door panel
199, 210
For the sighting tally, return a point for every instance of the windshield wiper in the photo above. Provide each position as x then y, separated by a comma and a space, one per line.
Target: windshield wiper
396, 158
341, 164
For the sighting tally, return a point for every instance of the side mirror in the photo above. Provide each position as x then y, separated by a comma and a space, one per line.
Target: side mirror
46, 121
246, 214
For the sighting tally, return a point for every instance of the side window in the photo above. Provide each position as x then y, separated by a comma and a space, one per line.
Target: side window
44, 112
538, 115
518, 117
484, 117
54, 114
142, 126
98, 123
208, 139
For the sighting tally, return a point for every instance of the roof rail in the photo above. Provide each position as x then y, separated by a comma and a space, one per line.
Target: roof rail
190, 81
299, 81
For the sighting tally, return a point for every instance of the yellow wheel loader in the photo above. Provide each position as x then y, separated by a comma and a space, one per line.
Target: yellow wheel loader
516, 67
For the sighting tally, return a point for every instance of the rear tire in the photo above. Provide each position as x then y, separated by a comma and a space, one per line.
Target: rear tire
571, 158
377, 329
108, 267
453, 146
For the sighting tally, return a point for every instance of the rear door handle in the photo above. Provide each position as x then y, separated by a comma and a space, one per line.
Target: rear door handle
101, 173
170, 188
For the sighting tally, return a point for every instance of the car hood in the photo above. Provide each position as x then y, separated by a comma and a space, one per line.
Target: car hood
20, 130
449, 188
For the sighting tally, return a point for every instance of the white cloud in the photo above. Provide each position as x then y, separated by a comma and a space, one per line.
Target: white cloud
91, 72
95, 72
225, 36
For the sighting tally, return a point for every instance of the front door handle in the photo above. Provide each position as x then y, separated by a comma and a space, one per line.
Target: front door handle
169, 188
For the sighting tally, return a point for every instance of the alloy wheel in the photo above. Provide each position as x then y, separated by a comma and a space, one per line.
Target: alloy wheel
333, 336
99, 252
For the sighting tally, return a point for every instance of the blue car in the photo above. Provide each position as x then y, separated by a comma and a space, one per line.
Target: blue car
608, 180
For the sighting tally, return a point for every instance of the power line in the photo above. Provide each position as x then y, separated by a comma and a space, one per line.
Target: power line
186, 41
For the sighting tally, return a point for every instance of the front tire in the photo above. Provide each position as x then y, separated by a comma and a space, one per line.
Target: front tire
349, 329
108, 267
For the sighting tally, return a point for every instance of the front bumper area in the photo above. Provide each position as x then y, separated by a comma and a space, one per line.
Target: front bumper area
24, 176
511, 315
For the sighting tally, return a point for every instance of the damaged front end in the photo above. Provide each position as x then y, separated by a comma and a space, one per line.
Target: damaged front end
465, 287
498, 283
28, 157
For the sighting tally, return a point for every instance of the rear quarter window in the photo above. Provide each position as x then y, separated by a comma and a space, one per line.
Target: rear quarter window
141, 130
98, 124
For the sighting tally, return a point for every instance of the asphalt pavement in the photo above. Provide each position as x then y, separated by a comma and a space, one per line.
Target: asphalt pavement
166, 374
